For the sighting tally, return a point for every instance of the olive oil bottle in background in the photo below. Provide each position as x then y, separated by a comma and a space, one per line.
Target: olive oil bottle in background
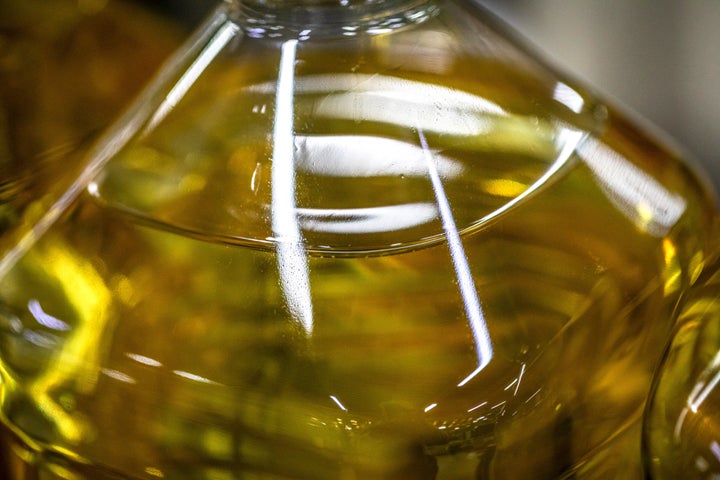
682, 429
67, 69
376, 240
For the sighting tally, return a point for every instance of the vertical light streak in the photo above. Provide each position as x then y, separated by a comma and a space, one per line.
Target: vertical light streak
519, 379
680, 422
291, 257
473, 309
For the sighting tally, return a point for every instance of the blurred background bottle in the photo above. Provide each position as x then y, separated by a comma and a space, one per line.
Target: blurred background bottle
682, 424
67, 68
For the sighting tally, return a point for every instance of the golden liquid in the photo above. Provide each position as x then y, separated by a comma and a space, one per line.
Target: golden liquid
164, 328
682, 426
67, 68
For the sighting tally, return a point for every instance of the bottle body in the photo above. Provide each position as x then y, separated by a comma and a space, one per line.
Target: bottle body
383, 256
680, 428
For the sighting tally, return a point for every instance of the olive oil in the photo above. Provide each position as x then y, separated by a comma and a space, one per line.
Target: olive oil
420, 276
681, 423
67, 68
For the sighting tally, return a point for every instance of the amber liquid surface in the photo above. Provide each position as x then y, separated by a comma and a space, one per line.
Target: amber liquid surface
188, 318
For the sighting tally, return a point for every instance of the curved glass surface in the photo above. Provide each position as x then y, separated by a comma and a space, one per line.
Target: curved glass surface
396, 247
682, 434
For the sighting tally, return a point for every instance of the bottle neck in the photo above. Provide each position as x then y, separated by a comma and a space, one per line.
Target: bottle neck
323, 4
321, 18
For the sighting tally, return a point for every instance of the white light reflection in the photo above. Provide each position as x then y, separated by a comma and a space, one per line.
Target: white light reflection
679, 423
715, 449
533, 395
150, 362
292, 262
473, 309
396, 107
194, 378
367, 220
637, 195
261, 109
254, 178
568, 97
255, 32
519, 379
477, 406
393, 100
338, 403
119, 376
180, 89
304, 35
430, 407
41, 339
379, 30
367, 156
701, 390
44, 319
428, 50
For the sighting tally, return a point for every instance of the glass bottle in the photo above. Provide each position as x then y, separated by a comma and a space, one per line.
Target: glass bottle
682, 424
357, 239
67, 68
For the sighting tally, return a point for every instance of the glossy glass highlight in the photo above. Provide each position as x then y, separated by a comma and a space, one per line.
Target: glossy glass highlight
391, 246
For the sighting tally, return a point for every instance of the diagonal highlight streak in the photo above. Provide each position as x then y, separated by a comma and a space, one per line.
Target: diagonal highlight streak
224, 35
473, 309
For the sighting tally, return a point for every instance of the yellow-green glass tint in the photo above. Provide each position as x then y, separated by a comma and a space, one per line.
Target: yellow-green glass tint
682, 429
467, 261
